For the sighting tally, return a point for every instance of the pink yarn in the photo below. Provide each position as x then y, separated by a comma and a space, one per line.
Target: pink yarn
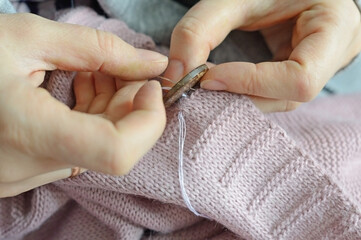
289, 175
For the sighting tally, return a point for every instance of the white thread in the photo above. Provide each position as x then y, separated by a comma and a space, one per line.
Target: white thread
166, 79
166, 88
182, 137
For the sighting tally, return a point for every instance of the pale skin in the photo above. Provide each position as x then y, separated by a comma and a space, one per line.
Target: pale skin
310, 40
114, 123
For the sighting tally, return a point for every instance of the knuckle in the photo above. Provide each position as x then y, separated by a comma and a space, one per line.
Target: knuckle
119, 157
120, 163
248, 85
121, 110
305, 87
300, 25
105, 40
104, 46
252, 84
329, 15
189, 29
81, 105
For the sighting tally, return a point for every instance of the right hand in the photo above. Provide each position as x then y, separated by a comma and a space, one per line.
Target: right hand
310, 40
41, 138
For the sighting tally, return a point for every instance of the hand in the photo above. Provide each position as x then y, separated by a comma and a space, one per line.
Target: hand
310, 40
41, 138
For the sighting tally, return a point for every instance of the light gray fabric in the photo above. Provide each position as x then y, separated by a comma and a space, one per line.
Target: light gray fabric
6, 7
155, 18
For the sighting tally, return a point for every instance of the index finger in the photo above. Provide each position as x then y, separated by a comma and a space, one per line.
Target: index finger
52, 45
206, 25
203, 28
315, 38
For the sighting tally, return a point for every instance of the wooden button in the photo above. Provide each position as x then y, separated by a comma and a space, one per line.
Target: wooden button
184, 85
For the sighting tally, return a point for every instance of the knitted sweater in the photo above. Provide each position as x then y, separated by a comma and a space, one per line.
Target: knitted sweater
289, 175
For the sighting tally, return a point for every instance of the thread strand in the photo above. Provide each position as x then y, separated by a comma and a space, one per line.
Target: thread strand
182, 136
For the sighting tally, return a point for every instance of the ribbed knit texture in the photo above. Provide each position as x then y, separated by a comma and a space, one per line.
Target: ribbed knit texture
289, 175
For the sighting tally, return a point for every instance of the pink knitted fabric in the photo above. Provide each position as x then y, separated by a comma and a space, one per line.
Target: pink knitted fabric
290, 175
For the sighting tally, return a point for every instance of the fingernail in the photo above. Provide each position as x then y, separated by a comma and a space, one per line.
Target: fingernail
151, 87
151, 56
175, 70
213, 85
152, 84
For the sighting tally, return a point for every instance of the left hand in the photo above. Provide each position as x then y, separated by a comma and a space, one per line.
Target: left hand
41, 139
310, 40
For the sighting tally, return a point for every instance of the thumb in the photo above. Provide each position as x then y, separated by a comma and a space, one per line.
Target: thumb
197, 33
206, 25
51, 45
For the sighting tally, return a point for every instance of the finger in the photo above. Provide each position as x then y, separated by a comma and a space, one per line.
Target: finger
15, 188
78, 48
84, 91
197, 34
104, 90
122, 102
300, 78
267, 105
303, 75
53, 131
328, 31
141, 128
275, 80
278, 39
92, 142
206, 25
121, 83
